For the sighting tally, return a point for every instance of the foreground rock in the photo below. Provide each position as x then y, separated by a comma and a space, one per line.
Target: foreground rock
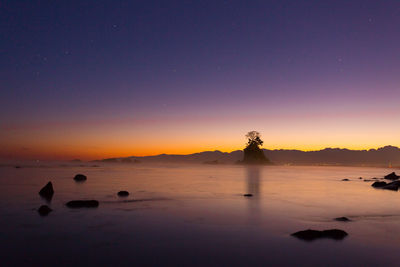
44, 210
392, 176
248, 195
392, 186
388, 186
123, 193
83, 204
311, 235
80, 178
47, 191
378, 184
342, 219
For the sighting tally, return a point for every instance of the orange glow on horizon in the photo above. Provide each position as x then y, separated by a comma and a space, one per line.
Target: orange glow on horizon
111, 152
121, 138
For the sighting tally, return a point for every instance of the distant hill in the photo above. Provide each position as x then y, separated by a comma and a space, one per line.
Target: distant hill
329, 156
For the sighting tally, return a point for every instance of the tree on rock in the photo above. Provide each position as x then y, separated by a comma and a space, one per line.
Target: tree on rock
253, 154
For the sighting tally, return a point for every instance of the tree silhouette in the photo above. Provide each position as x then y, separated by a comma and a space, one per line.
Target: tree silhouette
253, 154
254, 137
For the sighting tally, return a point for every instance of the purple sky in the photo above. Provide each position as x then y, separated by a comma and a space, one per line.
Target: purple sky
306, 74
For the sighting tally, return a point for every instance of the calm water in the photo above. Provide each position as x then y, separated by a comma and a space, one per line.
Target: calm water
196, 215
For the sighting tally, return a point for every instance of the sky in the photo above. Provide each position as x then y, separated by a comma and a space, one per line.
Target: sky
97, 79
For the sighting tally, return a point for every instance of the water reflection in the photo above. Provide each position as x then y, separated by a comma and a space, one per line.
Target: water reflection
253, 180
253, 183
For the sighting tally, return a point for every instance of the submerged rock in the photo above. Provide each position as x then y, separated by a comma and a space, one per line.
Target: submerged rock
80, 178
44, 210
342, 219
123, 193
248, 195
345, 180
392, 176
83, 204
47, 191
311, 235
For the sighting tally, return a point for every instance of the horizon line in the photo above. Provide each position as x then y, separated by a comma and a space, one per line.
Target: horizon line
5, 158
155, 155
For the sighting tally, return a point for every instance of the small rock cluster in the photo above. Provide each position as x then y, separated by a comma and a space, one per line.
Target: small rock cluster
394, 186
336, 234
47, 193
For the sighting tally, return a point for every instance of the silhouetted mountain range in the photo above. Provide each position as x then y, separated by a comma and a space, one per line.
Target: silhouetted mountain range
329, 156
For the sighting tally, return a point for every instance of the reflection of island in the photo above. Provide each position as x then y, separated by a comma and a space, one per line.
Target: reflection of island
253, 182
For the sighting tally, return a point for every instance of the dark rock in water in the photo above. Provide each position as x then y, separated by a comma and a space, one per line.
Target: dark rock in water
368, 180
360, 178
83, 204
390, 186
378, 184
311, 235
123, 193
392, 176
345, 180
342, 219
18, 167
47, 191
395, 183
80, 178
44, 210
248, 195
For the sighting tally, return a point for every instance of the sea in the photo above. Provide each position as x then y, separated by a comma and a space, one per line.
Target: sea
196, 215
